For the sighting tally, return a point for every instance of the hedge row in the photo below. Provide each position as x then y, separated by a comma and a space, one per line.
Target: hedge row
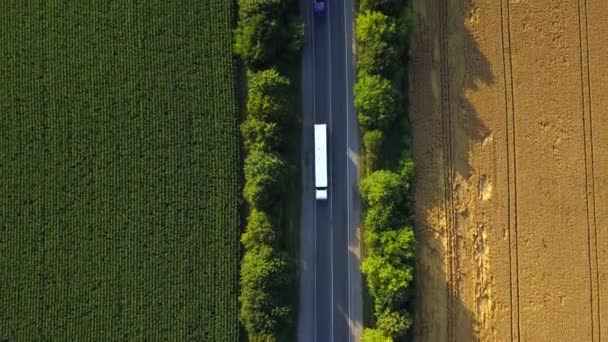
267, 270
382, 28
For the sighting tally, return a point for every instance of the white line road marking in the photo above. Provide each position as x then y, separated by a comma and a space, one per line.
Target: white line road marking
331, 223
314, 207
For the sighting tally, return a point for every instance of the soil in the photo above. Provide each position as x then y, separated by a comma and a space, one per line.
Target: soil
508, 104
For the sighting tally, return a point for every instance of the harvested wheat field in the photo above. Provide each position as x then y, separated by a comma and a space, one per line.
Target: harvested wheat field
509, 103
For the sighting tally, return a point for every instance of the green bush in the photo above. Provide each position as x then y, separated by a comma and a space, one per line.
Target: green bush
393, 323
258, 40
267, 96
389, 267
262, 268
263, 276
264, 174
374, 335
260, 135
267, 32
382, 187
256, 312
398, 245
376, 100
387, 282
259, 230
379, 218
378, 43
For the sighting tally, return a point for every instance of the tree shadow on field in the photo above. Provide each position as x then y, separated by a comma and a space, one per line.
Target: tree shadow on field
445, 58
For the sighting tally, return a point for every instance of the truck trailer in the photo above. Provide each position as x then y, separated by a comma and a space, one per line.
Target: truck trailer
321, 162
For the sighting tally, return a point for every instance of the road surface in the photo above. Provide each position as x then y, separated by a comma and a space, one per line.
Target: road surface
330, 283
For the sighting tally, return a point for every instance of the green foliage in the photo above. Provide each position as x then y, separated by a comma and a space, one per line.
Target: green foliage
259, 230
380, 217
374, 335
389, 266
382, 187
268, 35
297, 35
376, 100
390, 7
393, 323
267, 32
120, 171
387, 282
372, 141
267, 96
407, 170
262, 269
266, 274
264, 173
260, 135
382, 30
378, 43
262, 338
259, 39
398, 245
263, 275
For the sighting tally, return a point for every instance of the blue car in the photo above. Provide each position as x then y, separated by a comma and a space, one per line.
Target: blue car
318, 6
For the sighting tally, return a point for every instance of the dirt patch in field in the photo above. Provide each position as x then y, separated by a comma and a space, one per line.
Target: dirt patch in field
508, 106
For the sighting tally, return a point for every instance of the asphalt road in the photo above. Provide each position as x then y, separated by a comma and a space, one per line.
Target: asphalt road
330, 282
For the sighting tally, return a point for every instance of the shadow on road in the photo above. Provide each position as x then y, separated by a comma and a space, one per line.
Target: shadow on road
356, 283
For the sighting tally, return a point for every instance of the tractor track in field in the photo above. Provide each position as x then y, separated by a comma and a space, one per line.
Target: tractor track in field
587, 122
511, 170
448, 169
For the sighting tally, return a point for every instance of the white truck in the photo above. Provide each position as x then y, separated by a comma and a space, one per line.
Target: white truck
321, 162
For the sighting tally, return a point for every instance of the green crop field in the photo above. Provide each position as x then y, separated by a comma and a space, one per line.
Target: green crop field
119, 171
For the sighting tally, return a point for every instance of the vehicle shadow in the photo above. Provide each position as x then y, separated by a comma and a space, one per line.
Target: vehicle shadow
446, 67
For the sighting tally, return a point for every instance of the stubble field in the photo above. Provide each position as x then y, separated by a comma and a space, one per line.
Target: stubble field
508, 104
119, 165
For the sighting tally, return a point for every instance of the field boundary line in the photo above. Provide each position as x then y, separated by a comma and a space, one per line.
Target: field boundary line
446, 127
589, 170
505, 21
